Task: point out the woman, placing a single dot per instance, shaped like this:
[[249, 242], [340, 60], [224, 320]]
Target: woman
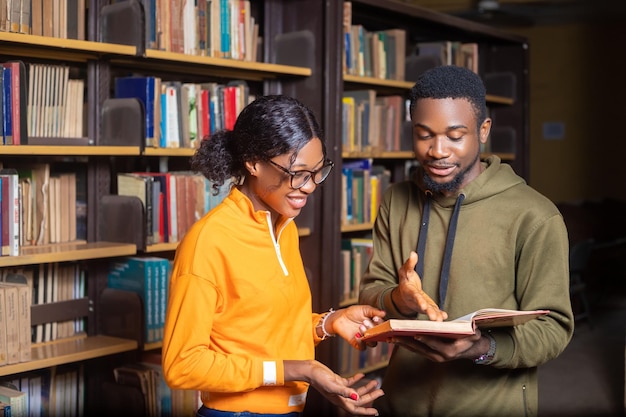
[[239, 324]]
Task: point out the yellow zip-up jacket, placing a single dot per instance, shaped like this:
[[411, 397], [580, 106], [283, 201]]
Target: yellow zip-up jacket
[[239, 304]]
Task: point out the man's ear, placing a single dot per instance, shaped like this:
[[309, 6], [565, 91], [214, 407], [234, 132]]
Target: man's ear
[[484, 130]]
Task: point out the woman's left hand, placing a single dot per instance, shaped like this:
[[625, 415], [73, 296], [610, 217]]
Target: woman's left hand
[[351, 323]]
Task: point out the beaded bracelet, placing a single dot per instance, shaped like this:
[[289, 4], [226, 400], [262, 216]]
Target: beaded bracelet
[[322, 324]]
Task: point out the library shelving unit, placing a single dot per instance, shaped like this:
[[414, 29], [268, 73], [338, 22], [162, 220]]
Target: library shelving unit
[[498, 53], [98, 63]]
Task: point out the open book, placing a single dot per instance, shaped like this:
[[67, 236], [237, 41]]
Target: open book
[[463, 326]]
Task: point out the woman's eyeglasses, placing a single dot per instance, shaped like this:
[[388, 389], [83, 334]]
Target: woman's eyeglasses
[[301, 177]]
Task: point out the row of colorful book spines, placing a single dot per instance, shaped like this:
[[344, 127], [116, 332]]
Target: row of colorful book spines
[[361, 198], [224, 29], [149, 279], [358, 50]]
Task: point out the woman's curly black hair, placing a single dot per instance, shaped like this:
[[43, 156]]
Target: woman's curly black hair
[[271, 125]]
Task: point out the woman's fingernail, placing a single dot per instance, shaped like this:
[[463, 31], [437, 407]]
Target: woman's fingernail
[[358, 335], [354, 396]]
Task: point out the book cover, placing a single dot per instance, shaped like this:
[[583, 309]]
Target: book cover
[[4, 215], [7, 114], [161, 267], [460, 327], [14, 210], [138, 274], [365, 98], [23, 315], [12, 322], [18, 103], [17, 399], [4, 358], [164, 201]]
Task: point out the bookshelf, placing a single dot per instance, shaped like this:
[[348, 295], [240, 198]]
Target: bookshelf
[[98, 63], [498, 52]]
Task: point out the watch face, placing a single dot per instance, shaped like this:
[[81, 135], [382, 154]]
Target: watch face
[[486, 358]]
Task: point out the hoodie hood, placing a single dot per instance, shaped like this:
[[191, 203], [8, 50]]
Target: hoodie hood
[[500, 178]]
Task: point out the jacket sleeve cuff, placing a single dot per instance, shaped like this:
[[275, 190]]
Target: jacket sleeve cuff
[[316, 318], [504, 348], [273, 372]]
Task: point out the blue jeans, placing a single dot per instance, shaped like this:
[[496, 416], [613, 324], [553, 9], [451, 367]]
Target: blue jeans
[[209, 412]]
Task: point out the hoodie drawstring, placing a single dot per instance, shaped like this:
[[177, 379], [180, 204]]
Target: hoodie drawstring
[[447, 254]]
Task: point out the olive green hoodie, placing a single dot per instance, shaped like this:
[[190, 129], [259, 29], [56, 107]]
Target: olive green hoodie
[[509, 249]]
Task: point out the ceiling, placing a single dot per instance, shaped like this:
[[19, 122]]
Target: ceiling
[[529, 12]]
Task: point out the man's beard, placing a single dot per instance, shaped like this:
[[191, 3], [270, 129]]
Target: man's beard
[[450, 186]]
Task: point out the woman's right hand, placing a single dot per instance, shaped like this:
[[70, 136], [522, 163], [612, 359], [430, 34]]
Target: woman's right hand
[[336, 389]]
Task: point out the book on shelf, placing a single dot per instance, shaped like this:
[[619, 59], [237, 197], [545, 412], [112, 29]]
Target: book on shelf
[[7, 116], [15, 101], [144, 276], [12, 321], [10, 212], [153, 360], [4, 352], [171, 115], [356, 254], [463, 326], [142, 377], [16, 399], [38, 174], [148, 90], [396, 53], [362, 124], [24, 301]]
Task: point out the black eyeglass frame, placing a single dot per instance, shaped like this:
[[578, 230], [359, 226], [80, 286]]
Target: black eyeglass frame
[[312, 174]]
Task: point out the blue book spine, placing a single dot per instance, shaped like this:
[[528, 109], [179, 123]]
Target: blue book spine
[[225, 28], [365, 164], [347, 172], [348, 53], [8, 106], [163, 140], [164, 280], [212, 117], [134, 275], [142, 88]]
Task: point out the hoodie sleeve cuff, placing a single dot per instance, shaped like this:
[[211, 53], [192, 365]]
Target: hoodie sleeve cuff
[[386, 303]]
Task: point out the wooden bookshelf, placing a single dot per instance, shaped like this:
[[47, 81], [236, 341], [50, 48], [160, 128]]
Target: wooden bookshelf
[[358, 227], [65, 252], [69, 150], [219, 67], [33, 46], [70, 350]]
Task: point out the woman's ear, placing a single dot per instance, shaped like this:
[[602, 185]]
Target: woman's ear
[[251, 167]]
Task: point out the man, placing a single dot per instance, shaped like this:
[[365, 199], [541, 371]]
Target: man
[[483, 238]]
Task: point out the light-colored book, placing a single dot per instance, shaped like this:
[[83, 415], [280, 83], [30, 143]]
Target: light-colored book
[[12, 322], [17, 399], [460, 327], [4, 354]]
